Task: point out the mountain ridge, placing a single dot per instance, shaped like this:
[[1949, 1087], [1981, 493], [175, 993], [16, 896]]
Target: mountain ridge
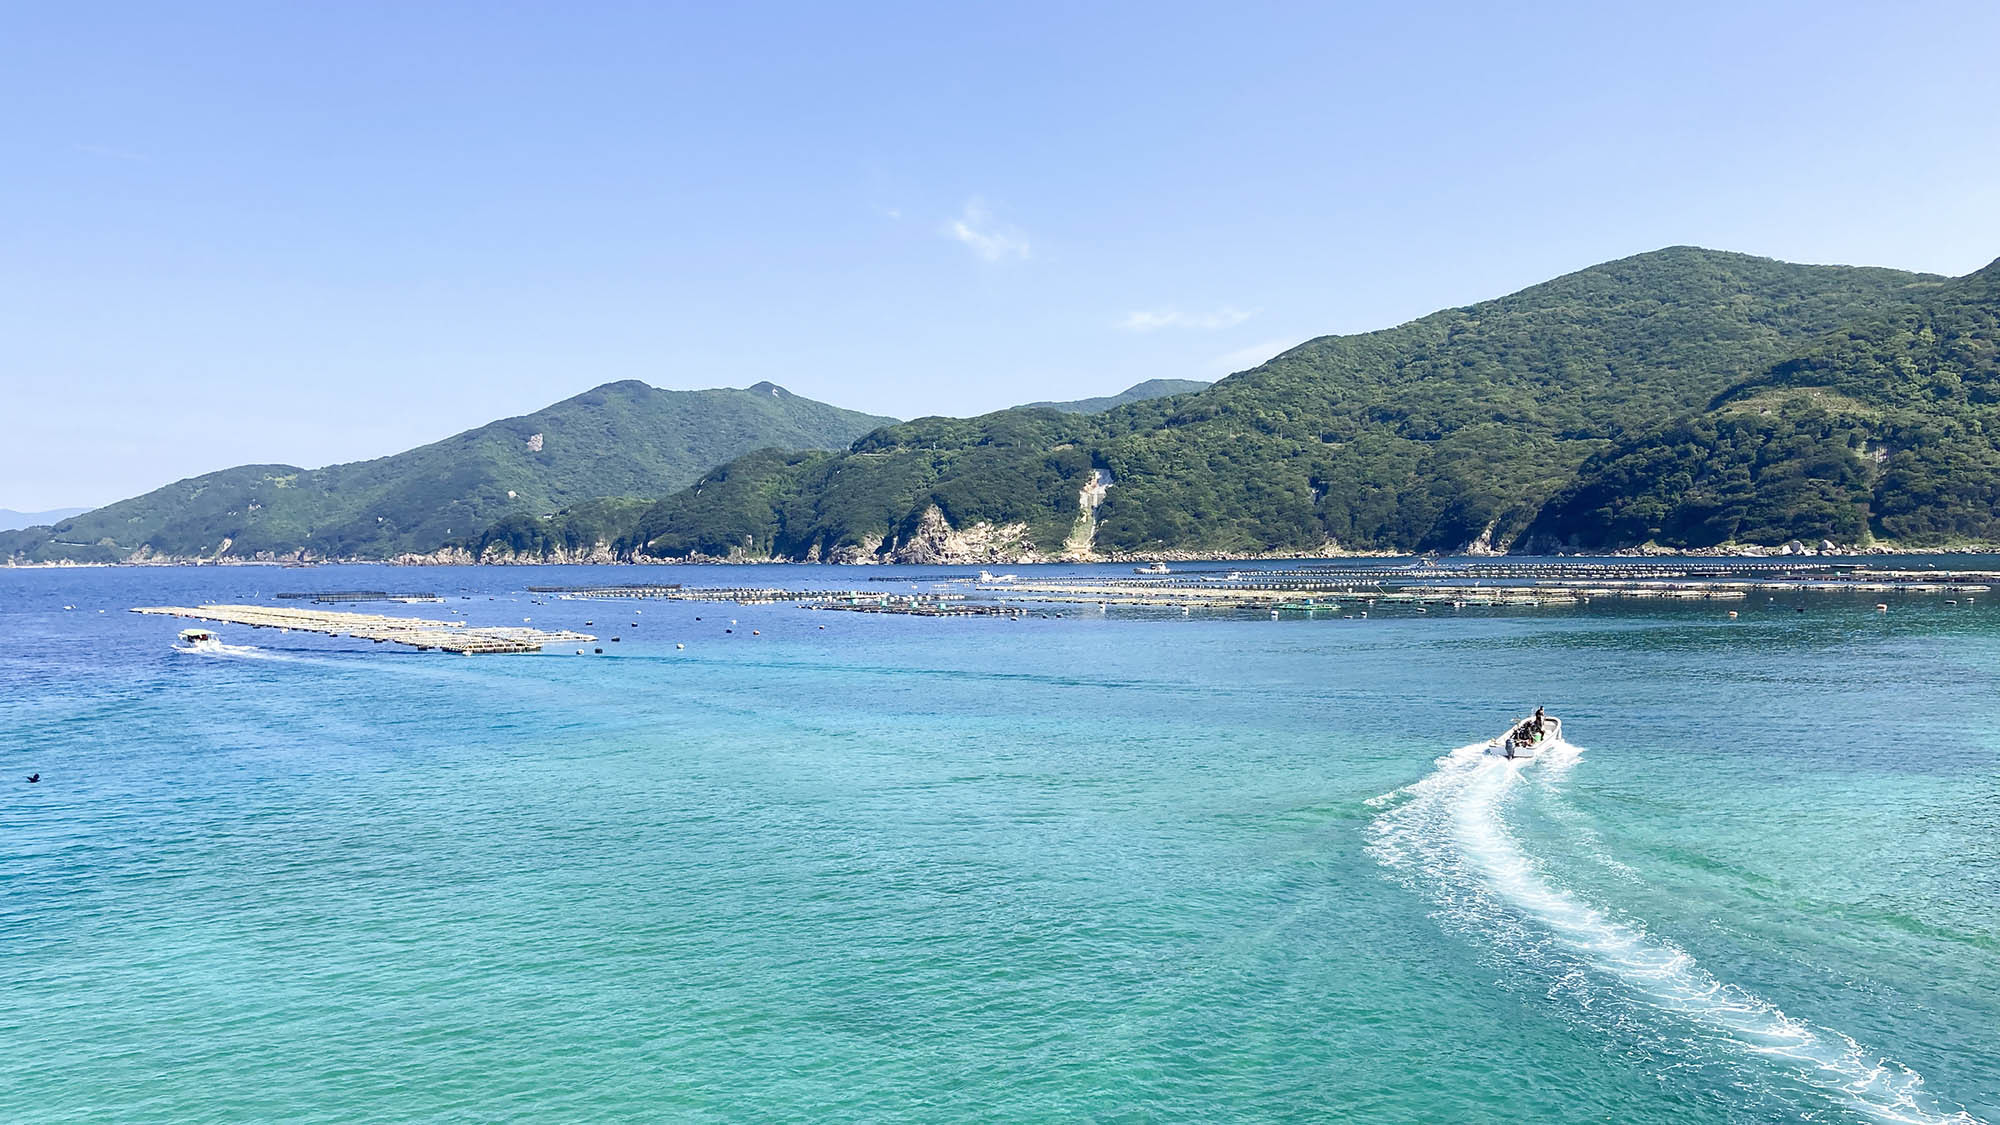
[[1834, 401], [11, 520], [620, 438], [1137, 392], [1447, 432]]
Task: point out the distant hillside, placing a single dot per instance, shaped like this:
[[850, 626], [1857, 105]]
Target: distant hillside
[[1450, 432], [1886, 429], [1138, 392], [620, 439], [11, 520]]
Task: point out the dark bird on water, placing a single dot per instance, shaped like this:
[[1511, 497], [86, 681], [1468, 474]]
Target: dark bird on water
[[34, 777]]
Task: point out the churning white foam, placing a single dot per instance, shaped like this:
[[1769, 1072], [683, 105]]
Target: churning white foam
[[251, 651], [1445, 836]]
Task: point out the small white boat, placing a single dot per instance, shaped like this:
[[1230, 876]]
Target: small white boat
[[198, 640], [1527, 738], [1155, 568]]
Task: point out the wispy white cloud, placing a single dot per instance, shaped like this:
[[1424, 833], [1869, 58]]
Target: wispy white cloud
[[1243, 359], [985, 236], [1152, 320]]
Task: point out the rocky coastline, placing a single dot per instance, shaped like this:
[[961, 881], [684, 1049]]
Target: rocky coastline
[[978, 547]]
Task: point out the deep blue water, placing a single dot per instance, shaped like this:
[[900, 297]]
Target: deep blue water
[[1120, 866]]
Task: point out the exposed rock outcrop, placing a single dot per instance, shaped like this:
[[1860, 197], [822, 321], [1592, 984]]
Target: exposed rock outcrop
[[935, 541]]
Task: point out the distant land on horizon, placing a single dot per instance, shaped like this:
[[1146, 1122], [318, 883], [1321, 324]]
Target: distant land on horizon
[[1681, 399], [11, 520], [1138, 392]]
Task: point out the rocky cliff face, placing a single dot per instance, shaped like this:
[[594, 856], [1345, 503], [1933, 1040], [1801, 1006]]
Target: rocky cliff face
[[936, 541]]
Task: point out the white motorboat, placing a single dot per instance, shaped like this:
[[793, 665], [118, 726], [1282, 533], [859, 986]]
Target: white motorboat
[[198, 640], [1155, 568], [1528, 737]]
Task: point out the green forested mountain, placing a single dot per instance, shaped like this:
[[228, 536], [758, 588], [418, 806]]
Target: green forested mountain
[[1451, 430], [621, 439], [1886, 429], [1137, 392], [1684, 397]]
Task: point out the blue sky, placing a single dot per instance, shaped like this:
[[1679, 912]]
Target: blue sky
[[313, 233]]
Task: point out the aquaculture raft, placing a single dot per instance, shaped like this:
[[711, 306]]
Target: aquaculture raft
[[331, 597], [446, 636]]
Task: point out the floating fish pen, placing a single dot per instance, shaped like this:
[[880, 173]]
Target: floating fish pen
[[636, 590], [335, 597], [752, 595], [921, 607], [1499, 583], [758, 595], [446, 636], [1127, 592]]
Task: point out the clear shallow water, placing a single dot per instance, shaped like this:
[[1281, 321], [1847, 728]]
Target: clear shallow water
[[1113, 867]]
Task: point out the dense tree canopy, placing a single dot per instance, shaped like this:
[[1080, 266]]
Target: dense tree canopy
[[620, 439], [1455, 428]]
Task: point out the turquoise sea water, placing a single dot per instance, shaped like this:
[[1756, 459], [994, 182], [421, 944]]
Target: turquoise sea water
[[1120, 866]]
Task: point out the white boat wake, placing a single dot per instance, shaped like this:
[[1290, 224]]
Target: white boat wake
[[251, 651], [1444, 836]]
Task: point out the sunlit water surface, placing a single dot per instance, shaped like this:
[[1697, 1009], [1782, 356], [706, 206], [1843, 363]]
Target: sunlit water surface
[[1120, 865]]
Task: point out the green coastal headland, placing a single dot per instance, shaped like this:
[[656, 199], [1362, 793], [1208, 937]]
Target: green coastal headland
[[1682, 400]]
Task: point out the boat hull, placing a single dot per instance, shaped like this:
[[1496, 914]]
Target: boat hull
[[1510, 747]]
